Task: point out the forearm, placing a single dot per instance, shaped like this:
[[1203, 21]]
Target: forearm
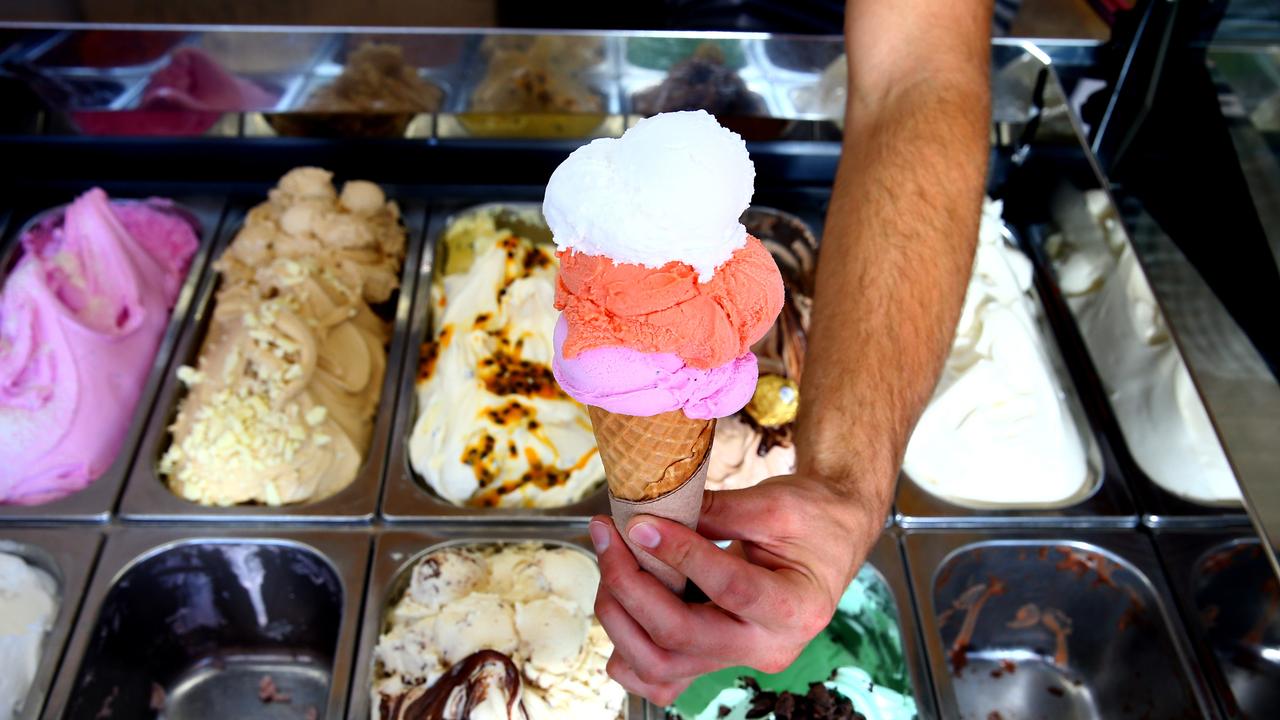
[[897, 252]]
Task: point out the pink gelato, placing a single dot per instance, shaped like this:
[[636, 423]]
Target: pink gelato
[[81, 316], [630, 382]]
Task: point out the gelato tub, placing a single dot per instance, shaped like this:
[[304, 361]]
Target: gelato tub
[[239, 625], [331, 443], [869, 655], [1166, 435], [441, 614], [481, 341], [1231, 602], [43, 574], [1005, 438], [138, 237], [1037, 625]]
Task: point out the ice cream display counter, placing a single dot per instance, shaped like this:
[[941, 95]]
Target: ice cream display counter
[[322, 499]]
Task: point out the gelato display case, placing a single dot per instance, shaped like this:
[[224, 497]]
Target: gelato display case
[[326, 501]]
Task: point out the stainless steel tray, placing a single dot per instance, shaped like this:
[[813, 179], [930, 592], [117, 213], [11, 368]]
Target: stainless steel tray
[[68, 555], [1107, 504], [407, 496], [228, 606], [1127, 655], [147, 497], [1227, 592], [396, 551], [1160, 507], [96, 502], [886, 560]]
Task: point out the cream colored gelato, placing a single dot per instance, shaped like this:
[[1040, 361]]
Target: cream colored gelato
[[1156, 403], [281, 402], [524, 443], [28, 605], [497, 632], [998, 431]]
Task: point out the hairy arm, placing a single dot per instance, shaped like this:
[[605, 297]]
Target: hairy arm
[[899, 238], [896, 258]]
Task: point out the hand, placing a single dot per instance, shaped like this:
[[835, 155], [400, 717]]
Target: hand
[[798, 546]]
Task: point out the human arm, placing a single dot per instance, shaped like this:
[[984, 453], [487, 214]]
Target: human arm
[[896, 257]]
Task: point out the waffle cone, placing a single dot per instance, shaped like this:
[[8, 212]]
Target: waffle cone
[[647, 457]]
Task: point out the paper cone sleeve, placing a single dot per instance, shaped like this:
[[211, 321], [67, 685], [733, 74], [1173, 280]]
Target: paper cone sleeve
[[655, 466]]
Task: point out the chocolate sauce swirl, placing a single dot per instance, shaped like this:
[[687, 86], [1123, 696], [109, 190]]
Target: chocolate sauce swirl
[[468, 676]]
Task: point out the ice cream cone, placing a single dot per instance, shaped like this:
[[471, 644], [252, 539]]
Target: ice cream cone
[[655, 466]]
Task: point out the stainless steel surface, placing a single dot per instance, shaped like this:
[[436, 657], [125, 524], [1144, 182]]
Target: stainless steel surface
[[1159, 506], [68, 555], [96, 502], [192, 621], [394, 555], [1051, 624], [147, 497], [1231, 605], [407, 496], [1104, 502]]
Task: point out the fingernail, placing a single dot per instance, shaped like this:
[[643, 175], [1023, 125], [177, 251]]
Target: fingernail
[[599, 536], [645, 535]]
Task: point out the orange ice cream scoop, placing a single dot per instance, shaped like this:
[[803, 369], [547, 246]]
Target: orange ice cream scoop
[[666, 310]]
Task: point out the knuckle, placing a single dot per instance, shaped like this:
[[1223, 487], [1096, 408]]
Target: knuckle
[[673, 636], [738, 593], [649, 675]]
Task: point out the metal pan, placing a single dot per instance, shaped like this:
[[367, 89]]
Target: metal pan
[[68, 555], [1160, 507], [1050, 623], [147, 497], [1229, 599], [96, 502], [197, 625], [407, 496], [394, 555], [1104, 502]]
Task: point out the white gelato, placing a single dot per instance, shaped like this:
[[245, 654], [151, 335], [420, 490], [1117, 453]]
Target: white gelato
[[532, 603], [494, 429], [670, 189], [28, 605], [998, 431], [1160, 413]]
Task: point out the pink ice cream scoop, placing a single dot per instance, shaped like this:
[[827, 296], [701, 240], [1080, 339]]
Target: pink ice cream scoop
[[81, 316], [630, 382]]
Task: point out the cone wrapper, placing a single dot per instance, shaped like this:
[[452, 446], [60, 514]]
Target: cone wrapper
[[682, 505]]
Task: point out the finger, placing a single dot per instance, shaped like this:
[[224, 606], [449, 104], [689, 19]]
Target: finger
[[652, 664], [731, 582], [668, 621], [660, 694], [735, 514]]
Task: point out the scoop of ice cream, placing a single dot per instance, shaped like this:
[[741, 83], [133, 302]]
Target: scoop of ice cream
[[706, 324], [702, 82], [736, 461], [442, 577], [376, 78], [281, 403], [622, 380], [528, 444], [81, 316], [553, 632], [474, 622], [999, 408], [670, 189], [28, 604]]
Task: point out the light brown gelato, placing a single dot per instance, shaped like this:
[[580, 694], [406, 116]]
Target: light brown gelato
[[282, 398]]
